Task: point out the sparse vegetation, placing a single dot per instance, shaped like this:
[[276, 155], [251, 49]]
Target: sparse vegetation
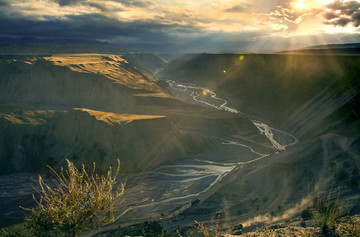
[[326, 213], [208, 231], [350, 227], [147, 229], [76, 201]]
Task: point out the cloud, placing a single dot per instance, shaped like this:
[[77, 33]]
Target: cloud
[[163, 26], [89, 26], [68, 2], [239, 8], [341, 13], [136, 3], [287, 20], [107, 5], [3, 3], [291, 15], [102, 3], [287, 15]]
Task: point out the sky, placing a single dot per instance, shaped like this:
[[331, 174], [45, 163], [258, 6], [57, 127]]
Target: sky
[[186, 26]]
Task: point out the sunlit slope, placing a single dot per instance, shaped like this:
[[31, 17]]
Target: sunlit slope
[[291, 91], [32, 138], [104, 82]]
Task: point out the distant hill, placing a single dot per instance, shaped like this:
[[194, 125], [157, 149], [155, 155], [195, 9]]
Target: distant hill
[[314, 97], [125, 113], [288, 90], [329, 49], [34, 46]]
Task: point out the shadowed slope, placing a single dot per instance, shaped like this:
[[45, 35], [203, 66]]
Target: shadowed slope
[[286, 90]]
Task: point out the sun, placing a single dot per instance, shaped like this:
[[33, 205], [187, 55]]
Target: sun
[[300, 4]]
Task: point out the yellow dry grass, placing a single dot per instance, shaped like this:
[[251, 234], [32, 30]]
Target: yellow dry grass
[[114, 67], [28, 117], [113, 118], [155, 94]]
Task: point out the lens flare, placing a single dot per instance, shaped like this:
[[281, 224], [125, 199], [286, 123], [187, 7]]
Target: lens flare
[[204, 92]]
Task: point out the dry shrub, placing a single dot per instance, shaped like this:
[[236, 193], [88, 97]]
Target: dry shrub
[[76, 201], [326, 213]]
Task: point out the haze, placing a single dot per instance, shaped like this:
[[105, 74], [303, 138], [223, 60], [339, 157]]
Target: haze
[[246, 111], [186, 26]]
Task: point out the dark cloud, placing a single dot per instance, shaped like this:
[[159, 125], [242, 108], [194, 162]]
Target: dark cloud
[[170, 31], [92, 27], [342, 13], [239, 8], [151, 35], [346, 8], [68, 2], [356, 19], [136, 3], [330, 15], [102, 4], [340, 21]]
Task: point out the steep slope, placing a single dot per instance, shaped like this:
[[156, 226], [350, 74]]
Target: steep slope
[[105, 82], [314, 97], [148, 61], [287, 90], [100, 107], [49, 85], [31, 138]]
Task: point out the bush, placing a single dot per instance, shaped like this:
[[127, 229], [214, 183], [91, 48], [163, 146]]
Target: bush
[[210, 231], [326, 213], [76, 201]]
